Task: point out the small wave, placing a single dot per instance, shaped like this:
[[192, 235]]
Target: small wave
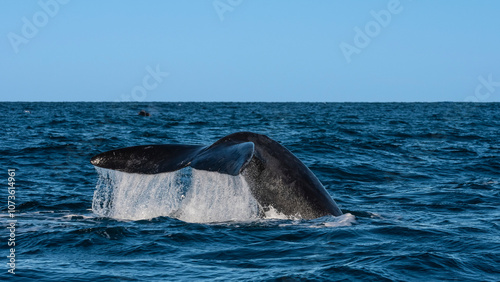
[[112, 233], [341, 221], [344, 220], [37, 206], [395, 122], [28, 205], [78, 217], [198, 123]]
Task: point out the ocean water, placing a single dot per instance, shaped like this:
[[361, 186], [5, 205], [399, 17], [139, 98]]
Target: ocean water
[[418, 184]]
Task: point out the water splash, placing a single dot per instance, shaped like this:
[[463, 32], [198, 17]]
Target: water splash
[[215, 197], [190, 195], [272, 213]]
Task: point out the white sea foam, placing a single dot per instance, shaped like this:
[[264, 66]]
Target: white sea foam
[[190, 195], [346, 219]]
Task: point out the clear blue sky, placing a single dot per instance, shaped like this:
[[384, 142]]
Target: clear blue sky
[[249, 50]]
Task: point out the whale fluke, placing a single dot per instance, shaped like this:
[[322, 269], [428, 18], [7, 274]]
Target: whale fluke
[[277, 178]]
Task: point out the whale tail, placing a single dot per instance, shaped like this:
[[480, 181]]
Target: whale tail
[[276, 177]]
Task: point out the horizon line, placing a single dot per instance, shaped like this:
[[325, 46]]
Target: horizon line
[[471, 102]]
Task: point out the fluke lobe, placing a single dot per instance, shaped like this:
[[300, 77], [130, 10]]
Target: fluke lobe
[[276, 177]]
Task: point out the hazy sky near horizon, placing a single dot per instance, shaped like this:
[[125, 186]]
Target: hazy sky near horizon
[[250, 50]]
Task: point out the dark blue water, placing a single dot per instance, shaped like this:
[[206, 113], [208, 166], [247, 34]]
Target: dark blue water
[[418, 184]]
